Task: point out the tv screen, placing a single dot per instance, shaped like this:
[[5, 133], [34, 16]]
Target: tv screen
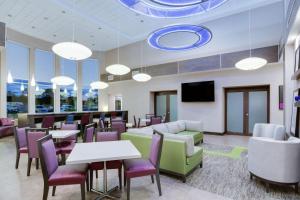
[[198, 91]]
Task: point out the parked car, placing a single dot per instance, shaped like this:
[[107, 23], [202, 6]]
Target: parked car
[[41, 109], [12, 108], [66, 108]]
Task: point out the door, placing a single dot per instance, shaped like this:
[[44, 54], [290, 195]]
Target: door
[[166, 105], [245, 106]]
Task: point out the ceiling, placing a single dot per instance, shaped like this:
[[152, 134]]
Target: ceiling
[[99, 22]]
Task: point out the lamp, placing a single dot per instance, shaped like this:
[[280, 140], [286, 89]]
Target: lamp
[[72, 50], [62, 81], [140, 76], [98, 85], [9, 78], [32, 81]]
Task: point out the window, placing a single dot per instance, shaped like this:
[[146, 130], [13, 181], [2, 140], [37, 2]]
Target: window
[[44, 71], [68, 94], [118, 103], [17, 63], [90, 73]]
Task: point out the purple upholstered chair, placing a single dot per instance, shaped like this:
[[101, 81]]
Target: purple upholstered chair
[[68, 143], [48, 122], [21, 143], [73, 126], [88, 134], [101, 136], [55, 175], [155, 120], [148, 116], [32, 136], [84, 120], [145, 167], [120, 127]]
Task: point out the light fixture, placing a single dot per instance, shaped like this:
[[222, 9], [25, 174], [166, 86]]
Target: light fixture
[[72, 50], [53, 86], [22, 88], [200, 36], [9, 78], [171, 8], [140, 76], [65, 91], [98, 85], [32, 81], [250, 63], [75, 87], [37, 88], [62, 80]]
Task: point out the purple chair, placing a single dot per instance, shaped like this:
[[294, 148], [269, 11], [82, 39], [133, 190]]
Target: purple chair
[[32, 136], [155, 120], [55, 175], [73, 126], [148, 116], [6, 127], [101, 136], [120, 127], [88, 134], [84, 120], [101, 123], [21, 143], [145, 167], [67, 145], [48, 122]]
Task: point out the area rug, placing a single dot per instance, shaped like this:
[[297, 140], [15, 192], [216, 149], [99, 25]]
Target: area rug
[[225, 173]]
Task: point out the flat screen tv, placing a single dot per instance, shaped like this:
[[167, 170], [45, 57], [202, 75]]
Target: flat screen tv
[[198, 91]]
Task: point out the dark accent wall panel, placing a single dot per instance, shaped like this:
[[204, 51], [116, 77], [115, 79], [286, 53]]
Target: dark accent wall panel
[[228, 60], [163, 69], [199, 64]]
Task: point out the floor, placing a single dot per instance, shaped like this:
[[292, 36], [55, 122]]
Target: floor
[[16, 185]]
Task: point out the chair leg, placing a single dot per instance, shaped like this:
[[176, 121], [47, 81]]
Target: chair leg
[[124, 178], [63, 159], [120, 177], [128, 188], [201, 164], [37, 163], [46, 190], [17, 160], [96, 173], [158, 183], [53, 190], [296, 188], [91, 179], [152, 179], [82, 186], [87, 182], [29, 166]]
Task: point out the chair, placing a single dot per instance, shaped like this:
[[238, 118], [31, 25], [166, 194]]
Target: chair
[[55, 175], [69, 119], [48, 122], [163, 119], [73, 126], [32, 135], [148, 116], [68, 143], [21, 143], [101, 136], [85, 119], [120, 127], [136, 125], [145, 167], [155, 120], [88, 134], [269, 130], [101, 123]]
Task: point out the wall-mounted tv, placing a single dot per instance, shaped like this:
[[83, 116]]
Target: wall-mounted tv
[[198, 91]]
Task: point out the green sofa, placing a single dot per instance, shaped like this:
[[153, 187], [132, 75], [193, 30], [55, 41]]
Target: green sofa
[[174, 159]]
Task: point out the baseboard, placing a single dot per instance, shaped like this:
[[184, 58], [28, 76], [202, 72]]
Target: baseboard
[[213, 133]]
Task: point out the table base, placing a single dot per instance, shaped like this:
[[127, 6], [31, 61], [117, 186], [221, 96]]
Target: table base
[[106, 194]]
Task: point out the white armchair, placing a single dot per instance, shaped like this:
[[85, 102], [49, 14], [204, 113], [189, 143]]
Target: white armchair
[[271, 159]]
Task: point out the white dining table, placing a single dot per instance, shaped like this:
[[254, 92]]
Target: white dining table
[[103, 152], [62, 134]]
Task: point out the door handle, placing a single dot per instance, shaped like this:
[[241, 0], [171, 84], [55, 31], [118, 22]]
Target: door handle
[[247, 114]]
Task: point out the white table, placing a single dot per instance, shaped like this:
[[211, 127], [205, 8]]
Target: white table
[[62, 134], [103, 152]]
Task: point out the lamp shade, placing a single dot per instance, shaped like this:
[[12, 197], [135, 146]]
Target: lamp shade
[[62, 81], [72, 50], [98, 85], [141, 77], [251, 63], [118, 69]]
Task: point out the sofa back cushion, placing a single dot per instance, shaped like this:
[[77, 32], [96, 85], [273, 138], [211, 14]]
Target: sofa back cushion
[[175, 127], [194, 126], [144, 131], [162, 128], [277, 132], [6, 122]]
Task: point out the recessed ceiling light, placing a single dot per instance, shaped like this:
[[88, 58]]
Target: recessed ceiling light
[[54, 35], [93, 44], [9, 15], [142, 21], [63, 12], [33, 27], [46, 18], [91, 36], [99, 28]]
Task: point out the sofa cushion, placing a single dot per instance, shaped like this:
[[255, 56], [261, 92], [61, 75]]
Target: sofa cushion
[[188, 139], [195, 134], [173, 127], [194, 126], [160, 128], [144, 131]]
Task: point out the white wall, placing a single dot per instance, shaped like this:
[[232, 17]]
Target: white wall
[[136, 96]]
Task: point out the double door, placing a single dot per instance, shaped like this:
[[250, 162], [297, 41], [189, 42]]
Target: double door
[[245, 106], [166, 105]]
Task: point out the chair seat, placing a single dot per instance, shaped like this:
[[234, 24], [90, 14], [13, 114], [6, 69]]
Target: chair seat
[[117, 164], [23, 150], [138, 167], [68, 174], [66, 149]]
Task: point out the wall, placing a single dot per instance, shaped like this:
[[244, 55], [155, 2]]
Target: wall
[[136, 96]]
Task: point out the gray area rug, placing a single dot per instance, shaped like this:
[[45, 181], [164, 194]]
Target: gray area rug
[[230, 178]]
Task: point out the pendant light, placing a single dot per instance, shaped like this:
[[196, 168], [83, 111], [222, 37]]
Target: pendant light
[[37, 88], [62, 80], [53, 86], [118, 69], [98, 85], [9, 78], [250, 63], [22, 88], [75, 87], [65, 91], [32, 81], [141, 77]]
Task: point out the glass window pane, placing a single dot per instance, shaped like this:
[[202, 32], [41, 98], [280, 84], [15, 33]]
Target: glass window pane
[[17, 63], [161, 105], [173, 107], [44, 71], [235, 112]]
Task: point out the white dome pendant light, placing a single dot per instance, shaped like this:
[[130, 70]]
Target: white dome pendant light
[[140, 76], [62, 80], [118, 69], [250, 63], [9, 78], [32, 83], [98, 85]]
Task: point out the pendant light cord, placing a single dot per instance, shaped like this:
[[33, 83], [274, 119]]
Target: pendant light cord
[[141, 57], [249, 32]]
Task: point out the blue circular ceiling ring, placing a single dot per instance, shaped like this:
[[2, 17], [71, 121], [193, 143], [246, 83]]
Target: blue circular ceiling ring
[[171, 9], [203, 33]]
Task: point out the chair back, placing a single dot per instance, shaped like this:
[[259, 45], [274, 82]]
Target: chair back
[[85, 119], [20, 137], [101, 123], [47, 152], [73, 126], [148, 116], [134, 122], [88, 134], [155, 120], [69, 119], [107, 134], [119, 126], [269, 130], [156, 148], [48, 122], [32, 136]]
